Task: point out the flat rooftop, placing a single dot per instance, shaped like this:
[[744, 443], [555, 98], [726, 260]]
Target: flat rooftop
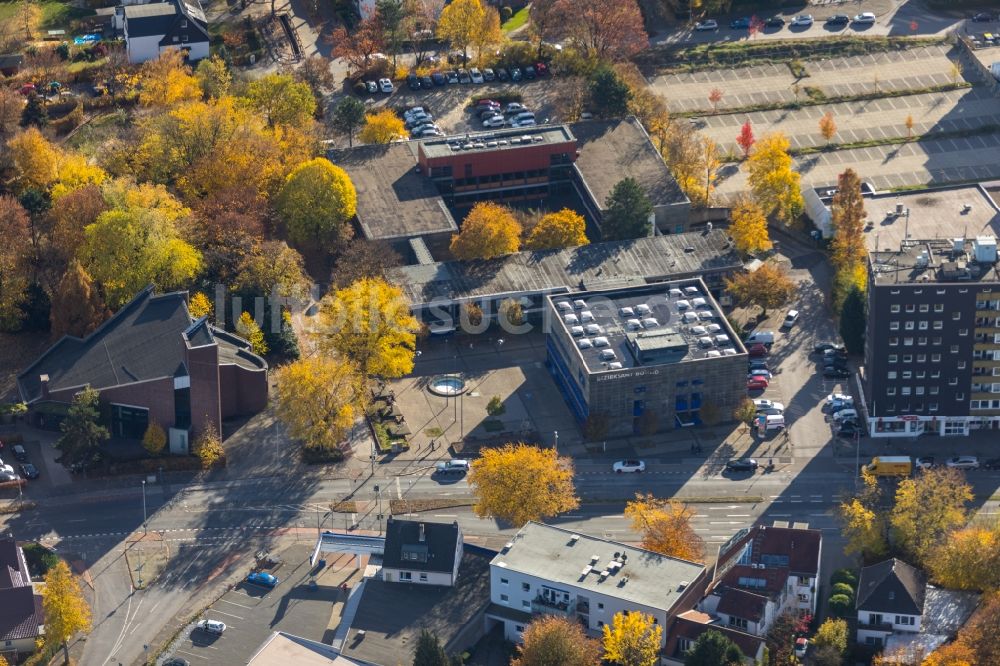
[[495, 140], [610, 150], [562, 557], [670, 322], [938, 261], [394, 200], [588, 267], [946, 212]]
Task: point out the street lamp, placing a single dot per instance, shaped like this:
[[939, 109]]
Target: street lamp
[[556, 433], [378, 492], [144, 528]]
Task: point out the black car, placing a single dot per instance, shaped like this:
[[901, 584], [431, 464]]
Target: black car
[[742, 465], [833, 372], [992, 463], [838, 19], [515, 74], [740, 23], [452, 76], [529, 73], [821, 347], [758, 364], [774, 22], [426, 82], [28, 471], [177, 661], [983, 17], [835, 363], [502, 74], [439, 79], [412, 82]]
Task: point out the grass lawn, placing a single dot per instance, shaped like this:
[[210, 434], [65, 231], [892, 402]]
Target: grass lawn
[[54, 14], [516, 21]]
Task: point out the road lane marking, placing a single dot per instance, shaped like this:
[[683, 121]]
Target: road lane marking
[[737, 515]]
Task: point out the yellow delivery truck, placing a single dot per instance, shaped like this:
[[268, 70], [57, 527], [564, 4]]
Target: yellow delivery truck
[[891, 466]]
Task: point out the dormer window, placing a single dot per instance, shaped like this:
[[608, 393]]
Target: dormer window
[[184, 23]]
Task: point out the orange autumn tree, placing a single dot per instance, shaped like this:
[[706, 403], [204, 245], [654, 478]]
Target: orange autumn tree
[[665, 526]]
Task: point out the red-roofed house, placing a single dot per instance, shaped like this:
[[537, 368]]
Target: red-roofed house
[[690, 625]]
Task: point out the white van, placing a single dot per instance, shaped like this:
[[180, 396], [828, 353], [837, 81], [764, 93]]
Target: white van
[[775, 422], [762, 337]]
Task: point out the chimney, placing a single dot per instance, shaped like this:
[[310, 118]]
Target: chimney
[[44, 379], [422, 535]]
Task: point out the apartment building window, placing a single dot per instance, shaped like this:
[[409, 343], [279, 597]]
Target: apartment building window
[[908, 620], [907, 374], [891, 408], [894, 308], [891, 390], [933, 407], [504, 598], [921, 358], [803, 598], [953, 381], [504, 581], [423, 578], [921, 374], [907, 358], [906, 390], [959, 397], [893, 325], [600, 606], [923, 326], [922, 341], [935, 358], [907, 342], [954, 349], [909, 325], [963, 331], [924, 307], [525, 603], [910, 307], [935, 390], [737, 622], [893, 358], [956, 316], [919, 390], [894, 342], [939, 307], [936, 341], [961, 365], [525, 587], [891, 375], [938, 325]]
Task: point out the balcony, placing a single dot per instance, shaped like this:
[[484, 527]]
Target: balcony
[[542, 605], [875, 626]]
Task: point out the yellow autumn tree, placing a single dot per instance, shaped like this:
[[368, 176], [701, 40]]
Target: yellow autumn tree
[[74, 171], [863, 522], [282, 100], [827, 126], [36, 160], [369, 324], [665, 526], [773, 182], [199, 305], [167, 81], [154, 439], [317, 203], [968, 559], [632, 640], [247, 327], [748, 227], [489, 230], [66, 609], [551, 640], [518, 483], [318, 399], [208, 447], [489, 33], [382, 127], [928, 507], [459, 24], [564, 228]]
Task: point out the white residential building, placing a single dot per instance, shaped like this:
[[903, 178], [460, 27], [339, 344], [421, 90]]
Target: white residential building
[[550, 570], [150, 29], [421, 552]]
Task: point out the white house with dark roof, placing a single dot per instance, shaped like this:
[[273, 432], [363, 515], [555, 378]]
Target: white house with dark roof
[[547, 570], [421, 552], [150, 29]]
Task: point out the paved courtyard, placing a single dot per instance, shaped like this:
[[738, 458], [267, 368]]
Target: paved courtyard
[[771, 84]]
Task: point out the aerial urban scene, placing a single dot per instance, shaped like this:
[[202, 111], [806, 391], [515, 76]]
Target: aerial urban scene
[[500, 332]]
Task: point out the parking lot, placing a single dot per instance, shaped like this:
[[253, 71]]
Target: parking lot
[[251, 612], [836, 77]]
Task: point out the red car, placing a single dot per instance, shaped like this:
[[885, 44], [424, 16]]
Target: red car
[[27, 88], [757, 350], [541, 68], [487, 102], [756, 382]]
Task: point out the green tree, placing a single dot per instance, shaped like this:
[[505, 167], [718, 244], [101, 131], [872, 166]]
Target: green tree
[[282, 100], [609, 94], [551, 640], [213, 76], [392, 16], [16, 251], [317, 203], [853, 321], [81, 433], [35, 113], [66, 609], [712, 648], [154, 439], [495, 406], [348, 116], [428, 651], [627, 212]]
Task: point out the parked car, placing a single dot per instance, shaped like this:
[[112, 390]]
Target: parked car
[[489, 112], [502, 74], [529, 72], [20, 453], [774, 22], [630, 466], [262, 578], [527, 122], [371, 87], [850, 429], [835, 362], [176, 661], [992, 463], [764, 403], [833, 372], [983, 17], [802, 20], [838, 19], [963, 462], [454, 466], [541, 69], [821, 347], [414, 111], [864, 18], [847, 413], [835, 353], [439, 79], [464, 76], [489, 75], [385, 85], [842, 397], [515, 74], [412, 82], [757, 350], [494, 122], [740, 23], [28, 471], [515, 108], [426, 82], [211, 626], [452, 76], [758, 364], [707, 24], [426, 132], [790, 319], [925, 462], [476, 75], [801, 646], [760, 372], [757, 383], [840, 405], [742, 465]]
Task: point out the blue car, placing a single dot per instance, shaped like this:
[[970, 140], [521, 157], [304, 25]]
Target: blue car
[[740, 23], [261, 578]]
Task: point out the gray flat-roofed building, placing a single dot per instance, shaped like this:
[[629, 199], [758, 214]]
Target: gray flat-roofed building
[[434, 290], [395, 200], [610, 150], [546, 570], [644, 359]]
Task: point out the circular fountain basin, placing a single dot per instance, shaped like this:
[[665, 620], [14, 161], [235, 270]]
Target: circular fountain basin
[[447, 385]]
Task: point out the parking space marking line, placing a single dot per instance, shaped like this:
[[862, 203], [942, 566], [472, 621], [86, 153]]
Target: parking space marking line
[[216, 610], [193, 654], [454, 515], [236, 604]]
